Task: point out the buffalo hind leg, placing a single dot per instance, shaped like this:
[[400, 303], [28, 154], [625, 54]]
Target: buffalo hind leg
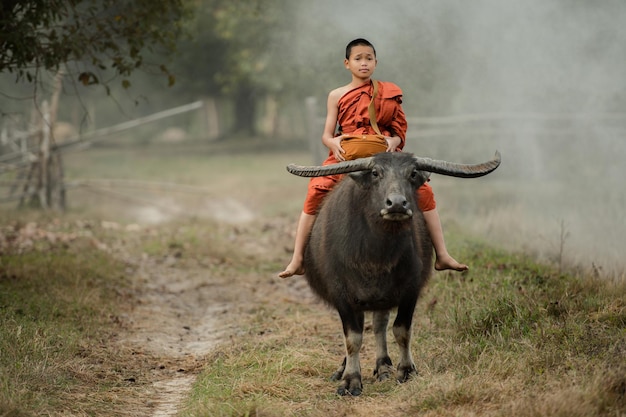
[[402, 333], [353, 331], [384, 366]]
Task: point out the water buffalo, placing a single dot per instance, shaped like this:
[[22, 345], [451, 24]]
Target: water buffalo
[[369, 251]]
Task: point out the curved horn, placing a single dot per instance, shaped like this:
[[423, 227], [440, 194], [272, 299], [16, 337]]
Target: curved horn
[[361, 164], [424, 164], [458, 170]]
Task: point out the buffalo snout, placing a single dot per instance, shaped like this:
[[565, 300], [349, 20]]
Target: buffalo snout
[[397, 208]]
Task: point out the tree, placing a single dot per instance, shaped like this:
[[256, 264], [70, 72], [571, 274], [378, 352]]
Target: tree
[[88, 37], [229, 53], [89, 40]]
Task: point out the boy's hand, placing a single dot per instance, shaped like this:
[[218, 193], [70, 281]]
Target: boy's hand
[[334, 145], [392, 143]]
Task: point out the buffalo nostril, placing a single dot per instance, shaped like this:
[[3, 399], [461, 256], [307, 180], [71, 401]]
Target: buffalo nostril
[[396, 201]]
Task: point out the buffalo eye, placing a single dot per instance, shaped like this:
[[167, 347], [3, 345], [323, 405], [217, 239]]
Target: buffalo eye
[[375, 173], [414, 174]]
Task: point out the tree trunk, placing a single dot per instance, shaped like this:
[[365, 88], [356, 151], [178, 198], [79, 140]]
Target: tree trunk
[[245, 111]]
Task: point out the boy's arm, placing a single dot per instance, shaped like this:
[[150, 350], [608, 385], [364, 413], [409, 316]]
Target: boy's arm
[[391, 108], [398, 128], [328, 139]]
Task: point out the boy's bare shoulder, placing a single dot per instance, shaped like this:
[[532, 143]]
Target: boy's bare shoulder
[[338, 92]]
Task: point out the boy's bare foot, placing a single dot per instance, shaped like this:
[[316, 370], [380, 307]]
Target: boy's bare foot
[[291, 270], [448, 262]]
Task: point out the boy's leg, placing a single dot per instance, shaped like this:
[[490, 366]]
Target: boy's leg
[[443, 259], [295, 267]]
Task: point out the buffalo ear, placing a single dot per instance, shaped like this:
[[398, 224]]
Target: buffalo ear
[[361, 177]]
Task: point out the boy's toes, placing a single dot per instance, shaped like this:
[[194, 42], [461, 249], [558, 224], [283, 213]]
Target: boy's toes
[[285, 274], [450, 264], [291, 272]]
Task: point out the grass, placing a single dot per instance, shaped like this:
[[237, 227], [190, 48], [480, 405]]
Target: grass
[[511, 337], [57, 307]]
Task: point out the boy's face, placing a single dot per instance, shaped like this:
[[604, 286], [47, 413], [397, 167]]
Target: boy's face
[[362, 61]]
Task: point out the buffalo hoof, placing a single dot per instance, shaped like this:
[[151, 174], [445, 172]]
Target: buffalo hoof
[[343, 391], [383, 372], [350, 386], [384, 368], [405, 372]]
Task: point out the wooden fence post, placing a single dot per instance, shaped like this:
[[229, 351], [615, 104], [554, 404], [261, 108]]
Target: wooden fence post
[[211, 118], [43, 189]]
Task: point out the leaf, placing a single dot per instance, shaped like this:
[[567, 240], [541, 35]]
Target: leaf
[[110, 35], [125, 84]]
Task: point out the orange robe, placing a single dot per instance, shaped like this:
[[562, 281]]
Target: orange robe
[[353, 118]]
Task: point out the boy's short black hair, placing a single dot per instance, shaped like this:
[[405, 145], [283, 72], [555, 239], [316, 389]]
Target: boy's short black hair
[[357, 42]]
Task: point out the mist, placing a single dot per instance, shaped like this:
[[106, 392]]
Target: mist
[[543, 81]]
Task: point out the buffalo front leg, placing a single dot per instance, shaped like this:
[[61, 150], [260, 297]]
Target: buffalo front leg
[[353, 332], [384, 366], [402, 333]]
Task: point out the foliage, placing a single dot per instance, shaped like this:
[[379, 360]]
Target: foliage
[[229, 46], [229, 53], [89, 36]]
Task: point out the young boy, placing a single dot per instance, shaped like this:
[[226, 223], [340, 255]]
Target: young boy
[[348, 106]]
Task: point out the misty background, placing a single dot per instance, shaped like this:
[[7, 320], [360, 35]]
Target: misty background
[[551, 74], [542, 81]]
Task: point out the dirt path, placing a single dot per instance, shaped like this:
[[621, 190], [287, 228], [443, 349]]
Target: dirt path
[[177, 318], [184, 309]]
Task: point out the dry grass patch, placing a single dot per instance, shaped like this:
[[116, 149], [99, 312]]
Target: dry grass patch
[[54, 309], [64, 301], [511, 337]]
